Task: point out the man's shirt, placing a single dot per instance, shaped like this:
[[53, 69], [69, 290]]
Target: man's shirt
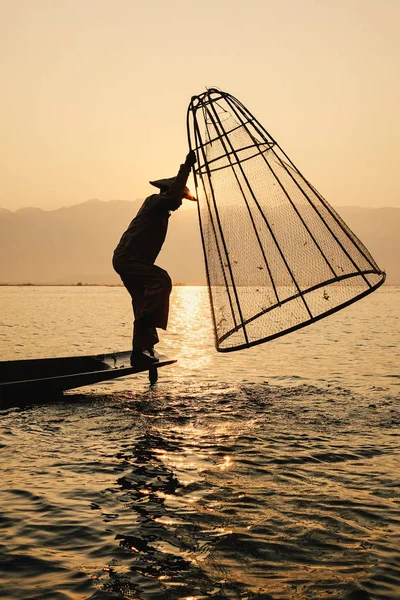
[[146, 233]]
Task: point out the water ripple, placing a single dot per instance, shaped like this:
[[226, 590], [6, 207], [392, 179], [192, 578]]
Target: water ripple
[[208, 486]]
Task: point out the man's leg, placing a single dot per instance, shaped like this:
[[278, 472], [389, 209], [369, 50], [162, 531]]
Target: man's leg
[[150, 288], [155, 305], [143, 336]]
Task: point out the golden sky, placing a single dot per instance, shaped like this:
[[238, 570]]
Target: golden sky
[[94, 92]]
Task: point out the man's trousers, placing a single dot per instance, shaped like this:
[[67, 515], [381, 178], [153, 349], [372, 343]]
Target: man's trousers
[[149, 287]]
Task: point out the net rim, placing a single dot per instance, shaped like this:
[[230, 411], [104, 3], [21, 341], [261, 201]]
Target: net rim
[[304, 323]]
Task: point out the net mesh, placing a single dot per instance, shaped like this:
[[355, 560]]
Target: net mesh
[[278, 257]]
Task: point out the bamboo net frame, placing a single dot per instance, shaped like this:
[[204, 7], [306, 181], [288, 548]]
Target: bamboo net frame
[[278, 257]]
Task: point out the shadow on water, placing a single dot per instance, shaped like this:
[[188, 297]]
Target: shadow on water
[[162, 540]]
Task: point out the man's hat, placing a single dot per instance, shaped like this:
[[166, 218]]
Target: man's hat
[[164, 184]]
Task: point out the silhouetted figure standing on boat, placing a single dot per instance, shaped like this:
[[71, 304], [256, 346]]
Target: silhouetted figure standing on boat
[[149, 285]]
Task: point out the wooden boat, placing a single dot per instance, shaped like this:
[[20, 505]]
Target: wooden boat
[[23, 381]]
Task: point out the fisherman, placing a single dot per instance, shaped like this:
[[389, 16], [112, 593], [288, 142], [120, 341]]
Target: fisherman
[[134, 257]]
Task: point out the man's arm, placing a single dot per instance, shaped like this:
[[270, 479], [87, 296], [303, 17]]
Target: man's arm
[[173, 197]]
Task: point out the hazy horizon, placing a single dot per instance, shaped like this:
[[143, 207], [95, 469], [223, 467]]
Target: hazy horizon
[[36, 244], [187, 206]]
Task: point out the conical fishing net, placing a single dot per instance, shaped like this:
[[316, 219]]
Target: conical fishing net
[[278, 257]]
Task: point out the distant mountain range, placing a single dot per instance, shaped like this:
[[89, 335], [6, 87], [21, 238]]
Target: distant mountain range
[[75, 244]]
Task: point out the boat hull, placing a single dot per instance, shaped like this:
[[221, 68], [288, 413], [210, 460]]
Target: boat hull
[[24, 381]]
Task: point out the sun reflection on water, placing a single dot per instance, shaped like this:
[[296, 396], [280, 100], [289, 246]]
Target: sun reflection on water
[[226, 464], [189, 329]]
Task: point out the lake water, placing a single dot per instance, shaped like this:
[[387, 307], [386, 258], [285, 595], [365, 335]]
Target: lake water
[[262, 474]]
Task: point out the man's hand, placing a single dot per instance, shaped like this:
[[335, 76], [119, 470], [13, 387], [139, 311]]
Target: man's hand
[[191, 158]]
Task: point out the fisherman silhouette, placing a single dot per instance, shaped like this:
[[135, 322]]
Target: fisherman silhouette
[[148, 285]]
